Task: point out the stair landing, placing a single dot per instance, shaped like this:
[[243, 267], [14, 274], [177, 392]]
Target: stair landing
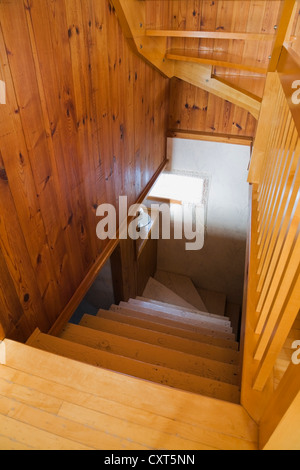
[[56, 403]]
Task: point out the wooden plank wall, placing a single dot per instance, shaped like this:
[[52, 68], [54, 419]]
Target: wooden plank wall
[[77, 131], [251, 16], [193, 109]]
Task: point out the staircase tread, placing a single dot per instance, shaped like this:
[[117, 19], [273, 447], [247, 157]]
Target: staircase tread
[[157, 291], [183, 286], [170, 341], [192, 417], [171, 322], [132, 367], [173, 328], [160, 318], [180, 317], [151, 354], [176, 307]]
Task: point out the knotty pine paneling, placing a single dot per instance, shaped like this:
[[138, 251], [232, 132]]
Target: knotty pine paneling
[[252, 16], [193, 109], [85, 122]]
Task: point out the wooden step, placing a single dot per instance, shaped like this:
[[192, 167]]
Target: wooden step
[[172, 322], [179, 314], [183, 286], [214, 301], [100, 396], [157, 291], [151, 354], [174, 329], [181, 317], [163, 375], [175, 307], [161, 339]]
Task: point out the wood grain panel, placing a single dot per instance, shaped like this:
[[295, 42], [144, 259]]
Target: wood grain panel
[[193, 109], [77, 131], [229, 16]]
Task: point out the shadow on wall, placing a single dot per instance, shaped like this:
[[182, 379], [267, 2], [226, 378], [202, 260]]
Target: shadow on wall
[[100, 295], [206, 267]]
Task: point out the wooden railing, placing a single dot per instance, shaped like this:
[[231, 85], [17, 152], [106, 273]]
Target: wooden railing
[[273, 297]]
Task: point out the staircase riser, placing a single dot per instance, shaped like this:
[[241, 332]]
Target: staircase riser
[[182, 319], [151, 354], [166, 321], [171, 329], [161, 339], [157, 374], [178, 311]]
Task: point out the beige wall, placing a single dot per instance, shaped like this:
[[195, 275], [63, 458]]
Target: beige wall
[[219, 265]]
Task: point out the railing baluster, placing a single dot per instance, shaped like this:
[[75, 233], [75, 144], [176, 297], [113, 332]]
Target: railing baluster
[[274, 271], [276, 262], [283, 153], [278, 208], [283, 328], [274, 152], [274, 302]]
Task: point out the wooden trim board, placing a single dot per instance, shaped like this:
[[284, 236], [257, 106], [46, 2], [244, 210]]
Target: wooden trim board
[[210, 137]]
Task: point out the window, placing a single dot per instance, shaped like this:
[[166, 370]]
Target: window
[[180, 187]]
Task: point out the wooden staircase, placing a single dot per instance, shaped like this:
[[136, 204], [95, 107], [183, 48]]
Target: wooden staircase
[[171, 344], [146, 374]]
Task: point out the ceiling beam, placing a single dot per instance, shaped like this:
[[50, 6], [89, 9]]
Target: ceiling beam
[[194, 74]]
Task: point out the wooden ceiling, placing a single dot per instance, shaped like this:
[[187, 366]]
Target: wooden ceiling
[[235, 37]]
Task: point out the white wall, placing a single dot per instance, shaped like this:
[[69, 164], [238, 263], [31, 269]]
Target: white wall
[[219, 265]]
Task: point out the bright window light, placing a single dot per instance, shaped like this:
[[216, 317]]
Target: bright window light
[[180, 187]]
